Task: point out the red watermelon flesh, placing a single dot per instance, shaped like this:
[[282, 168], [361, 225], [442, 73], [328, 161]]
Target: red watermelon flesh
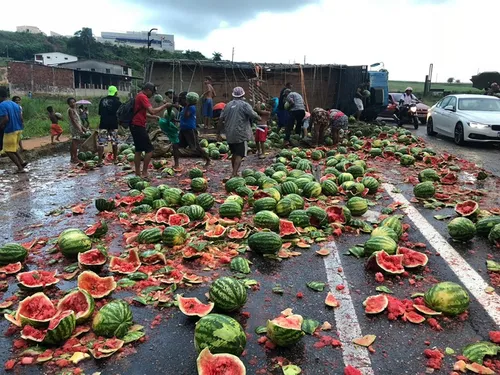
[[12, 268], [376, 304], [335, 214], [91, 231], [163, 214], [76, 302], [37, 307], [237, 234], [217, 232], [467, 208], [128, 201], [287, 228], [381, 261], [449, 179], [290, 322], [37, 279], [92, 257], [442, 197], [178, 219], [33, 334], [414, 317], [209, 364], [103, 349], [412, 258], [126, 265], [193, 307]]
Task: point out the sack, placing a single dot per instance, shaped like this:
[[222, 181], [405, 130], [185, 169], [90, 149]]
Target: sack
[[126, 113], [90, 143]]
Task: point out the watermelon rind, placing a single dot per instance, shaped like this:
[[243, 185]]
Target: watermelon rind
[[113, 319], [283, 334], [447, 297], [221, 334], [228, 294], [223, 363]]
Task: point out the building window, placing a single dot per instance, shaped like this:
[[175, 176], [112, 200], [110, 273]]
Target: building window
[[125, 71], [108, 71], [39, 57]]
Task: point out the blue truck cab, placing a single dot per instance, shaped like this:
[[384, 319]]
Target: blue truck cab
[[379, 98]]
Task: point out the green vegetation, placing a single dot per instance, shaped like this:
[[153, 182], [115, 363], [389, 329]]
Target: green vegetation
[[22, 46], [418, 87]]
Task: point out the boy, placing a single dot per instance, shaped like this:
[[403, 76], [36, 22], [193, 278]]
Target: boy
[[264, 111], [76, 129], [55, 128], [208, 102]]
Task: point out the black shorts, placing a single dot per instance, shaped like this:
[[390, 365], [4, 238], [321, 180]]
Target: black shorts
[[188, 138], [142, 142], [239, 149]]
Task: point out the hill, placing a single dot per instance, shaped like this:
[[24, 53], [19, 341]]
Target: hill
[[22, 46]]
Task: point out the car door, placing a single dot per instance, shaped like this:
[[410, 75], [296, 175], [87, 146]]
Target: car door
[[450, 118], [438, 115]]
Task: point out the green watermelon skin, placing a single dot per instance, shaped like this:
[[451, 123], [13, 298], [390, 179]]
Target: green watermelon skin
[[265, 242], [448, 298], [461, 229], [264, 204], [484, 226], [299, 218], [221, 334], [113, 319], [174, 236], [62, 330], [228, 294], [424, 190], [12, 253], [205, 200], [380, 243], [357, 206], [266, 220], [230, 210], [149, 236], [73, 241]]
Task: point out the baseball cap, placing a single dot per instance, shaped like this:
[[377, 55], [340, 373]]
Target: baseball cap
[[112, 90], [238, 92], [149, 86]]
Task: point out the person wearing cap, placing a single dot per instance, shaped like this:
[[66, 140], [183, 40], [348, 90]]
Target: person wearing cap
[[494, 90], [170, 97], [236, 120], [108, 125], [407, 97], [142, 111]]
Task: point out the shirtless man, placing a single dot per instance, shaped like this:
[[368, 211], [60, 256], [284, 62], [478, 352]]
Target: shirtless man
[[208, 103]]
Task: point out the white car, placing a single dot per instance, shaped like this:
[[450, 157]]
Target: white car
[[466, 118]]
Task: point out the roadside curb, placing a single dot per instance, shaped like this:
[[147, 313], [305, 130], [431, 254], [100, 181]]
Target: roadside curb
[[42, 151]]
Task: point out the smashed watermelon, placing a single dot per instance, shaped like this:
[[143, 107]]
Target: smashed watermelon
[[194, 307], [216, 232], [127, 265], [390, 264], [163, 214], [467, 208], [412, 258], [287, 228], [178, 219], [237, 234], [376, 304]]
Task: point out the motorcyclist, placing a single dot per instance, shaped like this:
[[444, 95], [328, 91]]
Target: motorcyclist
[[494, 90], [407, 99]]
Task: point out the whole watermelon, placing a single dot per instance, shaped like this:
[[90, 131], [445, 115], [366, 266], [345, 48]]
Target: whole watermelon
[[73, 241], [219, 333], [113, 319]]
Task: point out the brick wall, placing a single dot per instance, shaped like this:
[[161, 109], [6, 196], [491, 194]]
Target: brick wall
[[24, 77]]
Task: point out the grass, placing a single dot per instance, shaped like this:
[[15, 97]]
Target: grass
[[418, 87], [36, 121]]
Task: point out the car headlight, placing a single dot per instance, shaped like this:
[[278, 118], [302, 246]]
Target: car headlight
[[478, 125], [413, 109]]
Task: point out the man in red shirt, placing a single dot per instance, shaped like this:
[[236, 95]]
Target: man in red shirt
[[142, 111]]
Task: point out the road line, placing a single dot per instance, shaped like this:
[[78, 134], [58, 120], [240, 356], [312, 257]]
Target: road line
[[346, 321], [464, 272]]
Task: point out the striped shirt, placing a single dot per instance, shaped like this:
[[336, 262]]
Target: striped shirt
[[296, 101]]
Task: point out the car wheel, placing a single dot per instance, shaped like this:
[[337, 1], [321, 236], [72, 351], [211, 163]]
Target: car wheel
[[459, 134], [430, 128]]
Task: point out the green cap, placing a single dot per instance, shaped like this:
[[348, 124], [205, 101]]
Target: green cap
[[112, 90]]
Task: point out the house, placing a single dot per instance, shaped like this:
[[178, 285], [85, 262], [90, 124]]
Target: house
[[325, 86], [29, 29], [139, 39], [53, 58]]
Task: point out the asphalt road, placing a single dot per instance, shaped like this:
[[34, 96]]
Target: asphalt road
[[26, 200]]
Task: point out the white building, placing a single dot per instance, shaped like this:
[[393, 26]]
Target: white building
[[29, 29], [139, 39], [54, 58]]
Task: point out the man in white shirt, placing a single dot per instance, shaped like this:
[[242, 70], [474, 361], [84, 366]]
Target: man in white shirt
[[407, 97]]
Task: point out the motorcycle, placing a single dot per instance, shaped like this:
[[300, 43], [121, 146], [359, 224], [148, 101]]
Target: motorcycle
[[408, 115]]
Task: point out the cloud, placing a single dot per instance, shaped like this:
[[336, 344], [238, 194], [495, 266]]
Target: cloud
[[195, 19]]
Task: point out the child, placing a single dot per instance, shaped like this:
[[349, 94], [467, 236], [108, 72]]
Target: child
[[76, 129], [167, 126], [55, 128], [305, 124], [264, 111]]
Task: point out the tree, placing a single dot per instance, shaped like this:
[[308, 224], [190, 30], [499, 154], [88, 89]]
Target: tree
[[457, 81], [450, 80], [83, 41], [194, 55], [217, 56]]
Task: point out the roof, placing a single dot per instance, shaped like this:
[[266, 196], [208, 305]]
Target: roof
[[112, 62], [243, 65]]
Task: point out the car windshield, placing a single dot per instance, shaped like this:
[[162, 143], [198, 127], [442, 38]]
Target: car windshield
[[479, 104]]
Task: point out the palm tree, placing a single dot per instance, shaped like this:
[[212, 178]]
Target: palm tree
[[217, 56]]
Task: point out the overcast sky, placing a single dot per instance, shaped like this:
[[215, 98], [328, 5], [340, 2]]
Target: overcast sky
[[458, 36]]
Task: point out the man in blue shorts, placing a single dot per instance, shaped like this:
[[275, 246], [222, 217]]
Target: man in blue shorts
[[208, 102]]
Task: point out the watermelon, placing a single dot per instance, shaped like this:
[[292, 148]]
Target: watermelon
[[424, 190], [73, 241], [375, 244], [163, 214], [412, 258], [338, 214], [385, 232], [113, 319], [174, 236], [237, 234], [148, 236], [230, 210], [448, 298], [159, 203], [357, 206], [390, 264], [125, 265], [209, 364], [192, 98], [37, 280], [264, 204], [11, 269], [196, 212], [289, 187], [80, 302], [344, 177], [312, 190], [297, 200], [317, 216], [265, 242], [96, 286], [205, 200], [285, 206], [228, 294], [461, 229], [173, 197], [428, 175], [36, 310], [61, 327], [216, 232], [356, 171], [287, 228], [371, 184], [104, 204], [285, 330], [12, 253], [329, 187], [179, 219], [219, 333], [188, 199], [484, 226], [394, 222], [407, 160], [494, 235], [92, 259], [193, 307], [199, 184], [235, 198], [240, 264], [267, 220], [468, 208], [299, 218], [233, 183], [97, 230], [195, 172], [476, 352], [376, 304]]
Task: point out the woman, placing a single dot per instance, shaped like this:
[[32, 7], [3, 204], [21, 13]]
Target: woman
[[338, 120], [319, 123]]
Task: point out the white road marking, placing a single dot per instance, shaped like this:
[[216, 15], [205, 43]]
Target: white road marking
[[346, 321], [464, 272]]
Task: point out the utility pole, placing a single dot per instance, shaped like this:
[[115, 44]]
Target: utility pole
[[304, 59], [149, 36], [232, 56]]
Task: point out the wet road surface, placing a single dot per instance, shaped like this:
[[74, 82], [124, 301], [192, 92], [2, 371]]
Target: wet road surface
[[26, 200]]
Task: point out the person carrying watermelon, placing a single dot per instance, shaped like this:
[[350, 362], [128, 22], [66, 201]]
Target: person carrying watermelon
[[282, 113], [208, 101]]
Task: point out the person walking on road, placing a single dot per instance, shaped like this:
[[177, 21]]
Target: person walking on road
[[142, 111], [108, 126], [208, 102], [236, 120], [297, 109], [55, 128], [11, 123], [76, 129]]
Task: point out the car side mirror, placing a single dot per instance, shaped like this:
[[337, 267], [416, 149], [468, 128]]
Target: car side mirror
[[449, 108]]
